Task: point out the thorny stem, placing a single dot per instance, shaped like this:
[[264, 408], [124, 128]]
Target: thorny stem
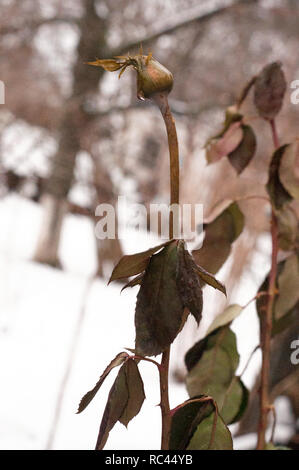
[[162, 102], [266, 324]]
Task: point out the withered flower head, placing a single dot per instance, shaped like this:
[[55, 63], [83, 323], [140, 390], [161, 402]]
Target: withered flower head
[[152, 77]]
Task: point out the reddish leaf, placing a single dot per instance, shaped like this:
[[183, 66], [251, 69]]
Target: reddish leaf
[[117, 361], [218, 148], [129, 265], [269, 90], [188, 282], [242, 155], [208, 278], [159, 309], [278, 194], [134, 282], [136, 393], [117, 400], [219, 235], [289, 169], [124, 401]]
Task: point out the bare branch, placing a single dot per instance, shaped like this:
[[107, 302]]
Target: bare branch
[[194, 15], [179, 108], [35, 24]]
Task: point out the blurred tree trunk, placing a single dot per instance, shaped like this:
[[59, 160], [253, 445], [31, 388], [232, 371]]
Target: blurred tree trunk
[[85, 81], [108, 250]]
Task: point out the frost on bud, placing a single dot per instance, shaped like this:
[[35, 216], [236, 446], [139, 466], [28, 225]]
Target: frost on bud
[[152, 77], [269, 90]]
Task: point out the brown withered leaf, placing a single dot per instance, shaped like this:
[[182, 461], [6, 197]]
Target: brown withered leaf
[[188, 283], [221, 147], [208, 278], [135, 390], [124, 400], [129, 265], [159, 309], [288, 228], [134, 282], [110, 65], [278, 194], [269, 89], [117, 361], [243, 154], [219, 236], [117, 400], [289, 169]]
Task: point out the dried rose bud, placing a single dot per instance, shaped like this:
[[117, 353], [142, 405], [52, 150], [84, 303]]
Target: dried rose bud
[[269, 90], [152, 77]]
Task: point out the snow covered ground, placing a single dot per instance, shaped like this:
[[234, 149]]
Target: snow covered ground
[[40, 312]]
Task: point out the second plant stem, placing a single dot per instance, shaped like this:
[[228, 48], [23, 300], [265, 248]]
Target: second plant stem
[[266, 324], [162, 102]]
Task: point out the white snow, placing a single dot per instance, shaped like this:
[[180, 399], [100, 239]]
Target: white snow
[[40, 309]]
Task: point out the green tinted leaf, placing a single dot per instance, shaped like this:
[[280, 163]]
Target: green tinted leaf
[[117, 361], [269, 90], [129, 265], [288, 287], [278, 195], [289, 169], [271, 446], [159, 309], [212, 363], [219, 235], [243, 154], [195, 427], [211, 375], [201, 440], [188, 283], [279, 324], [135, 391], [116, 403], [227, 316], [185, 421], [235, 401]]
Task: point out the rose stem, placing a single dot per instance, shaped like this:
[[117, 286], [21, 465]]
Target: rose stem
[[266, 324], [162, 102]]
